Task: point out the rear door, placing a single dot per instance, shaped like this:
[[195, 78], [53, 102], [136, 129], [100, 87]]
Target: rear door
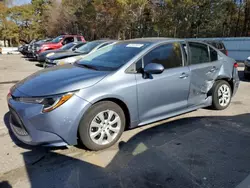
[[204, 68], [164, 93]]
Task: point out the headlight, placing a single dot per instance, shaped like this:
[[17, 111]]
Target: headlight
[[49, 103], [65, 61], [70, 60], [50, 54]]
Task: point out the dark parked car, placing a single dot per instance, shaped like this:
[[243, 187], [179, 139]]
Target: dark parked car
[[128, 84], [247, 68], [32, 47], [71, 57], [66, 48], [24, 49]]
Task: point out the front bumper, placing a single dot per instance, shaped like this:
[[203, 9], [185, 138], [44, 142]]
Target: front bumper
[[48, 63], [56, 128]]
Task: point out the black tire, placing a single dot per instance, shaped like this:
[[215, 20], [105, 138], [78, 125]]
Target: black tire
[[215, 98], [86, 120]]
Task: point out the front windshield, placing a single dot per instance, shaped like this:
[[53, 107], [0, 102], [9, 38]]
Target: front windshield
[[68, 46], [88, 47], [114, 56], [57, 39]]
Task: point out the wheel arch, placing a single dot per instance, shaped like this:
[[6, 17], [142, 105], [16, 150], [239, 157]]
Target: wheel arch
[[229, 80], [123, 106]]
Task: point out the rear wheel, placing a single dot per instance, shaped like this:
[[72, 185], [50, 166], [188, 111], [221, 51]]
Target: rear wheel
[[221, 95], [102, 125]]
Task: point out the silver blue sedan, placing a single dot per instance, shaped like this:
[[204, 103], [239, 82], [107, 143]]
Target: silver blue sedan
[[122, 86]]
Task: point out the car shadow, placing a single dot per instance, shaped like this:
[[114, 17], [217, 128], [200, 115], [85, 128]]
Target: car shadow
[[39, 65], [5, 184], [31, 59], [190, 152]]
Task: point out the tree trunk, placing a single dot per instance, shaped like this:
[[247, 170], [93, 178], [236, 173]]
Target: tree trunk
[[238, 20], [4, 41]]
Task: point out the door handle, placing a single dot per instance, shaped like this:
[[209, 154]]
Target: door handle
[[183, 75]]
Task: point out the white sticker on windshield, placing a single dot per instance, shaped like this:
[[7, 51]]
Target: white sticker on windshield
[[135, 45]]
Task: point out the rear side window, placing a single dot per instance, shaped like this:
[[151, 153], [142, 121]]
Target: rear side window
[[105, 44], [169, 55], [213, 54], [199, 53], [77, 46], [68, 40]]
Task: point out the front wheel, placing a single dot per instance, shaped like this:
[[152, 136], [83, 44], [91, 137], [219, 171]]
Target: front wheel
[[221, 95], [102, 125]]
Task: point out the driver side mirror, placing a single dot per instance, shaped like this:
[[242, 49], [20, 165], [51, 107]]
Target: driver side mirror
[[153, 68]]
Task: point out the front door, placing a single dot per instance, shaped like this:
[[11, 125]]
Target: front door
[[165, 93]]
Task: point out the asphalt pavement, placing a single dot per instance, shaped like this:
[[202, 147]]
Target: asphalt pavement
[[204, 148]]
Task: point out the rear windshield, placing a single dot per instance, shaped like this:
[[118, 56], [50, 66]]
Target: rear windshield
[[89, 47], [68, 46], [114, 56], [57, 39]]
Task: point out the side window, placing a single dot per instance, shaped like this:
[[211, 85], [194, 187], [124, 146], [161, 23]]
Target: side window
[[105, 44], [79, 39], [169, 55], [213, 54], [199, 53], [138, 66], [79, 45], [68, 40]]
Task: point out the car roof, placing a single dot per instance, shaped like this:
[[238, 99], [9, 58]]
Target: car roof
[[154, 40]]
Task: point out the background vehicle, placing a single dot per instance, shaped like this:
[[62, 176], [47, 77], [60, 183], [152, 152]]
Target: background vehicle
[[219, 45], [24, 49], [247, 68], [58, 42], [71, 57], [66, 48], [32, 47], [215, 43], [124, 85]]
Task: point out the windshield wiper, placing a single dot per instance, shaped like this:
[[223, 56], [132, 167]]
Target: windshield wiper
[[87, 66]]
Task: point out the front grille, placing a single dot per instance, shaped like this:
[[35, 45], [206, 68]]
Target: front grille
[[17, 124]]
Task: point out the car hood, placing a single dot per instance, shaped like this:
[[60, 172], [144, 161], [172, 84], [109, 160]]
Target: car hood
[[57, 80], [53, 51], [64, 55]]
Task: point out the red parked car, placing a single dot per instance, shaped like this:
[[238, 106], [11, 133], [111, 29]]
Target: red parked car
[[58, 42]]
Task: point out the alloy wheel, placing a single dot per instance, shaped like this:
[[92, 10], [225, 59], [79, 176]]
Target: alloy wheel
[[105, 127]]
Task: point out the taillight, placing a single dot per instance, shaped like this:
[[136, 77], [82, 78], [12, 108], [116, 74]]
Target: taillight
[[236, 65], [226, 53], [9, 96]]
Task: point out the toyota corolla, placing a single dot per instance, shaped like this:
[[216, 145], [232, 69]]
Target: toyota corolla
[[122, 86]]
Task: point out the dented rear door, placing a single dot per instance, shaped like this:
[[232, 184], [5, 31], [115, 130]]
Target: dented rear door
[[204, 69]]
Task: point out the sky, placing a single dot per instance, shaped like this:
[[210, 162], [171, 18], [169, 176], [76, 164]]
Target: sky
[[21, 2]]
